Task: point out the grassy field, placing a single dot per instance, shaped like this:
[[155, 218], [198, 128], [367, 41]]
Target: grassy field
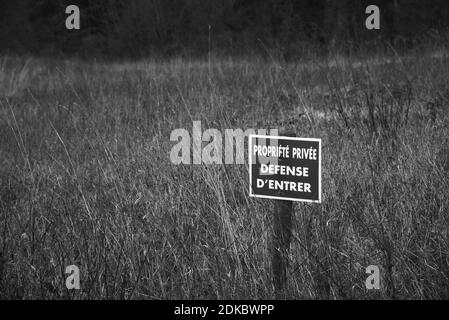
[[86, 178]]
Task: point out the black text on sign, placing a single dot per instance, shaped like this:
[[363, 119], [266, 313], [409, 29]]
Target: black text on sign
[[285, 168]]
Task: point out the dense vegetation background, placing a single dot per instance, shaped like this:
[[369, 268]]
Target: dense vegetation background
[[85, 173], [226, 27]]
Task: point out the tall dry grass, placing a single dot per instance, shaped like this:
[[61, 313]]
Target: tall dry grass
[[86, 178]]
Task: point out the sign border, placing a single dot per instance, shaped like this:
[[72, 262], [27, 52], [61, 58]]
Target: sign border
[[250, 144]]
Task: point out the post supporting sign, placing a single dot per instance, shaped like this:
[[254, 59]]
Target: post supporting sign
[[285, 168]]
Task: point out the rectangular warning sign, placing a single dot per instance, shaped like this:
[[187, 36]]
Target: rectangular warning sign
[[285, 168]]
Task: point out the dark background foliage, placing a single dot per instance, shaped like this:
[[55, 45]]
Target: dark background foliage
[[226, 27]]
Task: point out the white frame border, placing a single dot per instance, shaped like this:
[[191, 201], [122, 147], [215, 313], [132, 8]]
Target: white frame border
[[250, 144]]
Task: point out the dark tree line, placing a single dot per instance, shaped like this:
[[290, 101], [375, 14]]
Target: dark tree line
[[192, 27]]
